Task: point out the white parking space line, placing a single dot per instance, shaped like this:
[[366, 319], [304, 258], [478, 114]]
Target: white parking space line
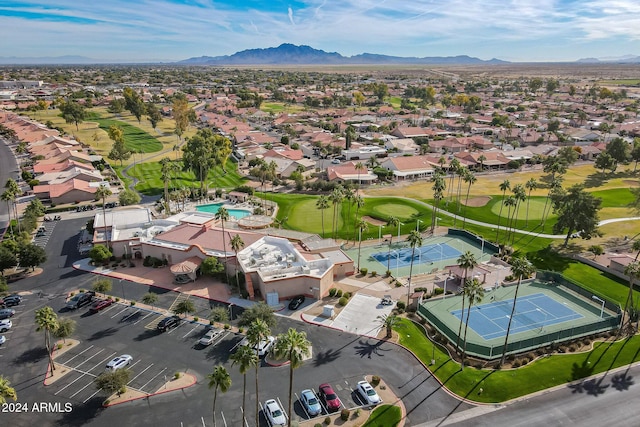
[[179, 325], [87, 385], [154, 377], [108, 309], [138, 321], [134, 364], [87, 359], [87, 349], [143, 371], [120, 312], [188, 333], [130, 315], [85, 401]]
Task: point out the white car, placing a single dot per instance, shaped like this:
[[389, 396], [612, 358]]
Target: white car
[[210, 336], [274, 413], [368, 393], [264, 346], [5, 325], [310, 402], [3, 339], [119, 362]]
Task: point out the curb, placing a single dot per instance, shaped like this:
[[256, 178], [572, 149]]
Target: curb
[[193, 382]]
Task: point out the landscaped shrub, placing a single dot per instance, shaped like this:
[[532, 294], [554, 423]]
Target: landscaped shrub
[[339, 293], [364, 271], [438, 291], [343, 301], [401, 305], [344, 414], [327, 420], [347, 295], [388, 273], [332, 292], [375, 380], [374, 273]]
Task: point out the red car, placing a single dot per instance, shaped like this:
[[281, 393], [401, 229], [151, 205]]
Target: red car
[[100, 304], [326, 393]]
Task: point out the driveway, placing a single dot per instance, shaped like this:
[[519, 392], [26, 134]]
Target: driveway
[[360, 316]]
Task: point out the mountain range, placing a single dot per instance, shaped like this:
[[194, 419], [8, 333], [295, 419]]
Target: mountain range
[[291, 54]]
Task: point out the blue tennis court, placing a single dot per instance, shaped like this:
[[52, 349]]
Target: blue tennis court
[[532, 312], [424, 254]]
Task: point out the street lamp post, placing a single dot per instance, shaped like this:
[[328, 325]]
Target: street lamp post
[[600, 300], [380, 234], [122, 284], [231, 312], [399, 224], [418, 225]]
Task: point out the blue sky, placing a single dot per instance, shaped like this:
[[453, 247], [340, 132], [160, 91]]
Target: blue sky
[[151, 30]]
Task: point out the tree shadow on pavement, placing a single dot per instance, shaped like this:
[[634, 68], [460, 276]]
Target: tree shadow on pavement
[[81, 415], [324, 357], [365, 348], [32, 355], [103, 333]]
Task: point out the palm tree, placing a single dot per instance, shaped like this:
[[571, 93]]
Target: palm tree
[[358, 200], [482, 159], [8, 196], [391, 222], [414, 239], [256, 332], [246, 359], [322, 203], [636, 248], [509, 202], [467, 261], [362, 226], [530, 185], [103, 192], [336, 198], [14, 190], [388, 321], [439, 186], [294, 347], [632, 270], [453, 169], [554, 186], [223, 215], [349, 194], [506, 185], [218, 379], [279, 222], [166, 171], [359, 167], [6, 391], [47, 321], [237, 244], [520, 196], [470, 178], [520, 267], [474, 292]]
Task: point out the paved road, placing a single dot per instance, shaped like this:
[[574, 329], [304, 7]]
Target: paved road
[[8, 169]]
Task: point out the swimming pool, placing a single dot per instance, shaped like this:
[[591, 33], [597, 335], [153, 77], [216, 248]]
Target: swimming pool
[[213, 208]]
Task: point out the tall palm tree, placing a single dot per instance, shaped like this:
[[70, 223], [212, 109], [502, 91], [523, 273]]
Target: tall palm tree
[[632, 270], [636, 248], [218, 379], [6, 391], [349, 194], [322, 203], [509, 203], [246, 359], [439, 186], [520, 267], [256, 332], [415, 240], [223, 215], [359, 167], [166, 171], [103, 192], [467, 261], [453, 169], [358, 200], [8, 196], [470, 178], [336, 197], [530, 185], [237, 244], [47, 321], [362, 226], [520, 195], [474, 292], [14, 191], [391, 222], [482, 159], [554, 186], [294, 347], [504, 186]]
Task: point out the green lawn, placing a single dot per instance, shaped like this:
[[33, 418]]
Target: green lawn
[[384, 416], [500, 386], [135, 138], [151, 184]]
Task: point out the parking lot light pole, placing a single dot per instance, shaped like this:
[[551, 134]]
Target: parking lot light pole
[[231, 312], [122, 284], [594, 297]]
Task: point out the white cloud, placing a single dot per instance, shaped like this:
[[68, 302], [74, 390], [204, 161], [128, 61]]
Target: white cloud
[[290, 13]]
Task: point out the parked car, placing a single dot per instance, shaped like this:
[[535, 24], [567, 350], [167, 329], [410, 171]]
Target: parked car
[[41, 234], [119, 362], [168, 323], [6, 313], [331, 399], [274, 413], [335, 161], [210, 336], [3, 339], [386, 300], [368, 393], [78, 300], [11, 300], [100, 304], [264, 346], [5, 325], [296, 302], [310, 402]]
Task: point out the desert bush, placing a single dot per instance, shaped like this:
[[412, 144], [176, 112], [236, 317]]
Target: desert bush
[[364, 271], [343, 301], [339, 293], [332, 292], [344, 414], [375, 380]]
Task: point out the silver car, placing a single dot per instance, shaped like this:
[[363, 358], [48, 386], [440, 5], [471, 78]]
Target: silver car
[[210, 336], [5, 325], [119, 363]]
